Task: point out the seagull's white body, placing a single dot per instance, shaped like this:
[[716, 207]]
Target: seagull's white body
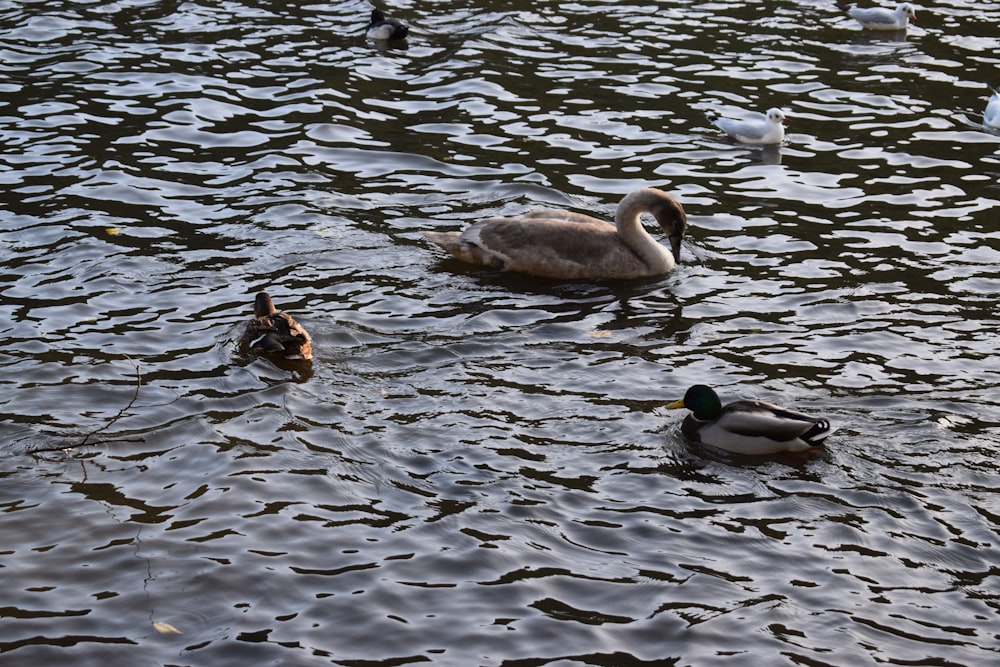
[[880, 18], [755, 128], [991, 117]]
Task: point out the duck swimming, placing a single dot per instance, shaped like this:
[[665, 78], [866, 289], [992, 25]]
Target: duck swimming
[[273, 333], [880, 18], [565, 245], [755, 128], [747, 426], [382, 29]]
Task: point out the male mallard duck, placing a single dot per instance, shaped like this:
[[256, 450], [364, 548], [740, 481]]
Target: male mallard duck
[[382, 29], [275, 333], [753, 128], [571, 246], [748, 427], [991, 117], [880, 18]]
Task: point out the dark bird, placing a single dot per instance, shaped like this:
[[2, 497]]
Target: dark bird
[[273, 333], [383, 29]]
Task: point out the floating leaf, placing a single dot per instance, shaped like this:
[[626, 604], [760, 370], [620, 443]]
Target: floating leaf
[[111, 231], [599, 334], [165, 628]]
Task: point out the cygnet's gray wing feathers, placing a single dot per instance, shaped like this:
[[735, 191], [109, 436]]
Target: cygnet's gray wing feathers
[[541, 246], [560, 214], [564, 247]]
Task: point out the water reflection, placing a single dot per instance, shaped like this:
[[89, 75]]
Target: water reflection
[[476, 457]]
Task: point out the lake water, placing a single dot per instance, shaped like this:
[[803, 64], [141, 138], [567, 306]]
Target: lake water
[[478, 469]]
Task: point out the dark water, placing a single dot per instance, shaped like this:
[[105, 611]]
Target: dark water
[[478, 469]]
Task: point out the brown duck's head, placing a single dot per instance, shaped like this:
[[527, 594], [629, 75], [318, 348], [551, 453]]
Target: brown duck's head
[[263, 306]]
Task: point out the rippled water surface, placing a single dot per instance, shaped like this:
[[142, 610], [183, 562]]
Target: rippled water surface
[[478, 469]]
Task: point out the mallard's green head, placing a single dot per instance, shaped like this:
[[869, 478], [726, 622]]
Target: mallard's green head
[[702, 401]]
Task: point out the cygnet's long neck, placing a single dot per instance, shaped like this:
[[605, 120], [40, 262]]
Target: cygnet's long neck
[[668, 214]]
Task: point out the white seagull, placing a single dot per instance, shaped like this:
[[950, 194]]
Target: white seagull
[[991, 117], [880, 18], [755, 128]]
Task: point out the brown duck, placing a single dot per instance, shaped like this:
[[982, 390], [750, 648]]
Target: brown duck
[[273, 333]]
